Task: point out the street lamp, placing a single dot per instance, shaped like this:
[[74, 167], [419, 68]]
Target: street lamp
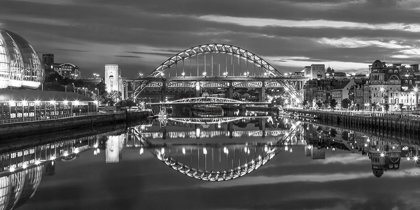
[[416, 90]]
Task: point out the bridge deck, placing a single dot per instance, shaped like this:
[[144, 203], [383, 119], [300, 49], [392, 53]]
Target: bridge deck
[[236, 78]]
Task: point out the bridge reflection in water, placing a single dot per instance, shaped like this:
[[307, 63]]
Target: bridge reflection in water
[[213, 157]]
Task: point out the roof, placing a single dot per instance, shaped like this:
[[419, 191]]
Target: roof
[[33, 95], [340, 84]]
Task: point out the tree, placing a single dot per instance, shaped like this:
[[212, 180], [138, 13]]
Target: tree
[[112, 97], [326, 103], [319, 104], [345, 103], [333, 104], [401, 108], [304, 102], [386, 107], [373, 106]]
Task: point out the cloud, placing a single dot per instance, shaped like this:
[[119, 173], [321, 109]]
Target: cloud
[[260, 22], [128, 56]]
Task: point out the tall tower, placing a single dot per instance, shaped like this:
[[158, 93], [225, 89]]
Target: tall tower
[[112, 78], [48, 61]]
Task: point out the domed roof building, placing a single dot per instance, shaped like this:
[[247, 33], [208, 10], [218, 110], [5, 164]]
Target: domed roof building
[[20, 65]]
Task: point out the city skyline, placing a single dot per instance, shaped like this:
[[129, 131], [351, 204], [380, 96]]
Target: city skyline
[[139, 36]]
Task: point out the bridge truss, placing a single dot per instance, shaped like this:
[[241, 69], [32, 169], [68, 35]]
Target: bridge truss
[[204, 49], [206, 100]]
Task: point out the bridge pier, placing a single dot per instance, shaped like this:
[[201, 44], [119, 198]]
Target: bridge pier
[[261, 95], [163, 91], [197, 89], [262, 126], [230, 129], [230, 90]]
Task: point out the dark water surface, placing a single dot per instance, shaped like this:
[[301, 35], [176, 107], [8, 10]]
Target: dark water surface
[[263, 162]]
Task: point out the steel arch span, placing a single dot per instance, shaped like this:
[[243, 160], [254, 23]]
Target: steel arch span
[[217, 49]]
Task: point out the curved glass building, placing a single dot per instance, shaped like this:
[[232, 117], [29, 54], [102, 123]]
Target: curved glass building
[[20, 66]]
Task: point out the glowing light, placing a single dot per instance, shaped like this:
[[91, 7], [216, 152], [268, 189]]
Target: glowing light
[[76, 150], [286, 148], [52, 158], [141, 151], [382, 154], [205, 151], [12, 168], [183, 150], [52, 102], [162, 151], [416, 158], [11, 103], [37, 102], [65, 102], [37, 162], [76, 103], [408, 158], [65, 154]]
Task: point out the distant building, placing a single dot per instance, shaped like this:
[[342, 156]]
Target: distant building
[[66, 70]]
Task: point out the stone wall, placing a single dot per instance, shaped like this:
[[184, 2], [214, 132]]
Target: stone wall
[[15, 130]]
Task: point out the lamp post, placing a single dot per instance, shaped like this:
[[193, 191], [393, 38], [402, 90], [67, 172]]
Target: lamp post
[[416, 90]]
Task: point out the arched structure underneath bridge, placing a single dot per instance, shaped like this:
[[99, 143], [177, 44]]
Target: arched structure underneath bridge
[[211, 120], [240, 53]]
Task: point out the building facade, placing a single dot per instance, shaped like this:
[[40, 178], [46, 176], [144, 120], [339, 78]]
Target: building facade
[[20, 65]]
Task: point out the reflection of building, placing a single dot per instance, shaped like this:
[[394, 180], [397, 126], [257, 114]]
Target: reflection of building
[[20, 66], [114, 145], [317, 153]]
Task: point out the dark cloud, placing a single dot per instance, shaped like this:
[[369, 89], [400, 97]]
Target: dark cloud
[[157, 29]]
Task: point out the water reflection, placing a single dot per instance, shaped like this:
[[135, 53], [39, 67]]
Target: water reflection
[[205, 148]]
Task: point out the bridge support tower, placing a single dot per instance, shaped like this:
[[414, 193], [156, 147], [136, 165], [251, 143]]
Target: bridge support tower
[[163, 90], [261, 95]]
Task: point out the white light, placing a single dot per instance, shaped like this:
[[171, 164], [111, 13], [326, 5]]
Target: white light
[[286, 148], [141, 151], [76, 150], [76, 102], [65, 102], [37, 162], [408, 158], [24, 165], [52, 158], [204, 73], [37, 102], [183, 74], [11, 103], [65, 154], [12, 168], [52, 102], [365, 145], [205, 151], [416, 158], [382, 154], [162, 151], [183, 150]]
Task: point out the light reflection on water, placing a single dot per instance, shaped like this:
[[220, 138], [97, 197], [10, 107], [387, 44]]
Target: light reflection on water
[[182, 153]]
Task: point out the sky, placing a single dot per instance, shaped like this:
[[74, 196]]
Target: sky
[[139, 35]]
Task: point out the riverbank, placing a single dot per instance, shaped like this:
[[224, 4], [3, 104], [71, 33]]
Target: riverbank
[[391, 126], [22, 129]]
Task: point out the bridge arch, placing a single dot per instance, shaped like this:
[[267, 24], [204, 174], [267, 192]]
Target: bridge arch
[[218, 49]]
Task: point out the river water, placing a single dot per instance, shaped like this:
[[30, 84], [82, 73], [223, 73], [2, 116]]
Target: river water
[[252, 160]]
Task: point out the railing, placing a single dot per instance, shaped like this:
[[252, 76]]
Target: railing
[[409, 115], [53, 117]]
